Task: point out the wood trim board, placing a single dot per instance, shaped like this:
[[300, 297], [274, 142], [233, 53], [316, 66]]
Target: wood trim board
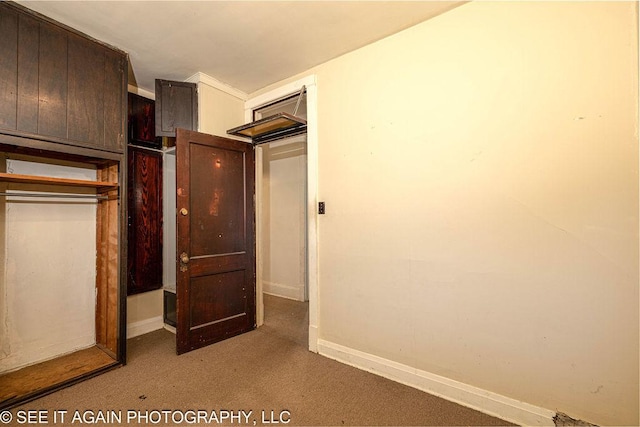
[[30, 179], [36, 380]]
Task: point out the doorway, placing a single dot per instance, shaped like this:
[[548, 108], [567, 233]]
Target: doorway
[[286, 194], [283, 227], [311, 202]]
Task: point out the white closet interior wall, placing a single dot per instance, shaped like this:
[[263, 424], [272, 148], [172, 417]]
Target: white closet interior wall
[[48, 276]]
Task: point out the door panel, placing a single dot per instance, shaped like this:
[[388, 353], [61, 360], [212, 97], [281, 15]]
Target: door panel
[[144, 225], [52, 84], [85, 116], [8, 67], [217, 199], [216, 239], [213, 297]]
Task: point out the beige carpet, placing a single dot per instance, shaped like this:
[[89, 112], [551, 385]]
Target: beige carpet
[[268, 369]]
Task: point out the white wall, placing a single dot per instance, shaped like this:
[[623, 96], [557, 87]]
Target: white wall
[[480, 172], [283, 217], [49, 271]]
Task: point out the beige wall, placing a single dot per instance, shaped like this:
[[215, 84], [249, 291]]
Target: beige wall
[[218, 111], [283, 218], [145, 307], [480, 172]]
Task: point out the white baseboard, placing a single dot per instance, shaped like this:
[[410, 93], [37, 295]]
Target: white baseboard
[[484, 401], [144, 326], [284, 291]]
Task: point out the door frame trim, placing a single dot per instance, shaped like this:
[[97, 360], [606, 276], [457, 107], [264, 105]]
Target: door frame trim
[[312, 198]]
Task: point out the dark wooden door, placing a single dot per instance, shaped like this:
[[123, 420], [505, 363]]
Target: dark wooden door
[[144, 227], [216, 239]]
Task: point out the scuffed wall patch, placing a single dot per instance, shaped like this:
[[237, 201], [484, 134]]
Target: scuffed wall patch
[[565, 420]]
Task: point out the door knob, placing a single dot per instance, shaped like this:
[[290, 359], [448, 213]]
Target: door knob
[[184, 258], [184, 212]]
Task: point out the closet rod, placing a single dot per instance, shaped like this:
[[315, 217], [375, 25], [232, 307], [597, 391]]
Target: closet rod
[[61, 196]]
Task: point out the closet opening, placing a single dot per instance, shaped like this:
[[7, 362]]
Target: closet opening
[[282, 218], [60, 310]]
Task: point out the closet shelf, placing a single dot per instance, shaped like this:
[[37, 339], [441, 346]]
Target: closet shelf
[[32, 179]]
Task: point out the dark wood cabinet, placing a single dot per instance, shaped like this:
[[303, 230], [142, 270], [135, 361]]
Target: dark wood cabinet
[[58, 84], [144, 220], [176, 107], [142, 119], [63, 99]]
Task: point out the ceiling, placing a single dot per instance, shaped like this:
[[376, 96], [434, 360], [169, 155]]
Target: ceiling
[[244, 44]]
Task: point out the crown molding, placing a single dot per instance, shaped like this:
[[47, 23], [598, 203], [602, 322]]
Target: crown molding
[[200, 77]]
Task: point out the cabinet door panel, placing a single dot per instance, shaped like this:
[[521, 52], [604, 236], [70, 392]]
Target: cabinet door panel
[[8, 68], [145, 221], [176, 107], [52, 82], [86, 91], [28, 42], [114, 100]]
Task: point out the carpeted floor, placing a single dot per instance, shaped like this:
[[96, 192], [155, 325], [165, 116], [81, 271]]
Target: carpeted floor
[[266, 371]]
